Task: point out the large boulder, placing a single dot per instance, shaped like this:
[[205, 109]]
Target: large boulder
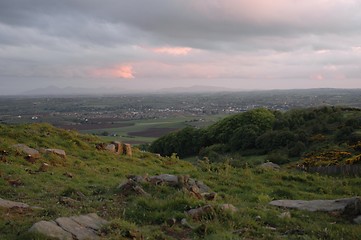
[[51, 229], [30, 152], [69, 228], [349, 207], [127, 150]]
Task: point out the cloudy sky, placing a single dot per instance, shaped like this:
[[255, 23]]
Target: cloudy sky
[[149, 45]]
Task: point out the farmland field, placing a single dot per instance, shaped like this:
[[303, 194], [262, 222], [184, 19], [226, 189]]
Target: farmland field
[[145, 131]]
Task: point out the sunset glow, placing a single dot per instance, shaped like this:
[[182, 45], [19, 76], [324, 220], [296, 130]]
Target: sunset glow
[[173, 50]]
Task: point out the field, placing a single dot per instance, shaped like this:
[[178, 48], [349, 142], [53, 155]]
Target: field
[[143, 131]]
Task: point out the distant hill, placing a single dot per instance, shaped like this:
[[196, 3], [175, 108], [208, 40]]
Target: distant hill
[[53, 90], [197, 89]]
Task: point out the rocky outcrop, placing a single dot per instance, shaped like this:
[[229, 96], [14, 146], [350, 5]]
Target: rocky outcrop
[[51, 229], [348, 207], [116, 147], [11, 204], [59, 152], [77, 227], [270, 165], [30, 152], [196, 188]]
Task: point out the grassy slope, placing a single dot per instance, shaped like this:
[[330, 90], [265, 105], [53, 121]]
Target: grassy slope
[[96, 174]]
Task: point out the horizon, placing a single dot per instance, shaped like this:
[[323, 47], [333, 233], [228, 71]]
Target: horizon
[[149, 46]]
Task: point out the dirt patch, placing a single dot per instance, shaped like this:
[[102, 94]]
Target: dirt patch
[[153, 132]]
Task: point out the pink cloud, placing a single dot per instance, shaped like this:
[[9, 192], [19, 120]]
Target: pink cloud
[[121, 71], [177, 51], [317, 76]]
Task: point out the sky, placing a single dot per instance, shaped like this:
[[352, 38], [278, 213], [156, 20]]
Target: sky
[[151, 45]]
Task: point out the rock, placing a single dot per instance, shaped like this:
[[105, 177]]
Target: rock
[[110, 148], [270, 165], [164, 178], [345, 206], [118, 147], [228, 207], [203, 188], [128, 150], [67, 201], [101, 146], [357, 220], [91, 220], [209, 196], [44, 167], [185, 223], [30, 152], [68, 174], [130, 187], [285, 215], [76, 227], [59, 152], [258, 218], [51, 229], [78, 230], [200, 212], [10, 204]]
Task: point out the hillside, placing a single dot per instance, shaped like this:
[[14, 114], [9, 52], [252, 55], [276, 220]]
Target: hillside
[[146, 206], [317, 136]]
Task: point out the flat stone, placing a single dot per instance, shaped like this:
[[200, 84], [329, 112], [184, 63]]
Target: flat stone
[[347, 206], [51, 229], [164, 178], [270, 165], [78, 230], [31, 152], [11, 204], [58, 152], [91, 220]]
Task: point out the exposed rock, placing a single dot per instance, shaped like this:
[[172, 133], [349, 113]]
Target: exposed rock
[[357, 220], [59, 152], [51, 229], [79, 231], [128, 150], [270, 165], [285, 215], [118, 147], [185, 223], [101, 146], [76, 227], [228, 207], [10, 204], [68, 174], [164, 178], [90, 220], [67, 201], [345, 206], [138, 179], [110, 148], [209, 196], [44, 167], [131, 187], [200, 212], [30, 152]]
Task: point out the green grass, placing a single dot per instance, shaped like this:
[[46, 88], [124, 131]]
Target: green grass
[[96, 174], [143, 125]]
